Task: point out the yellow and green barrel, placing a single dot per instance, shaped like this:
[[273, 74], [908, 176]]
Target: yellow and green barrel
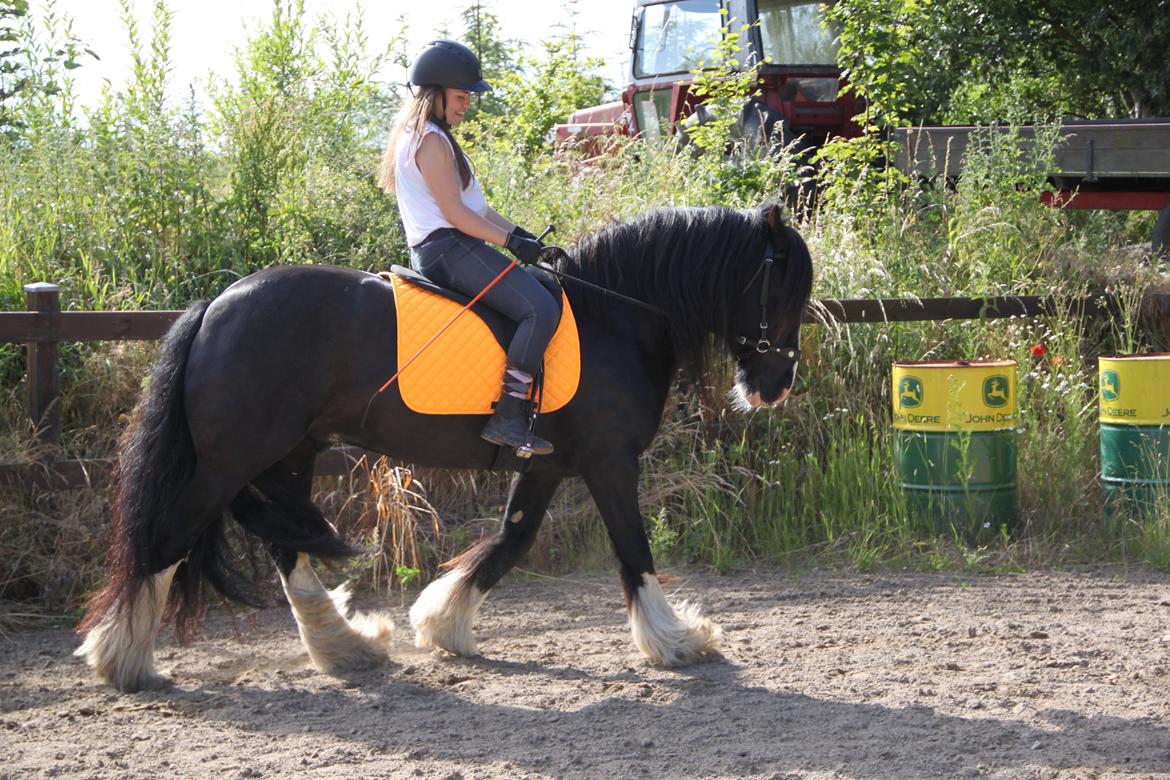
[[955, 443], [1134, 398]]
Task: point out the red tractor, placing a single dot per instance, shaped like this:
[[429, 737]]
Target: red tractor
[[799, 93]]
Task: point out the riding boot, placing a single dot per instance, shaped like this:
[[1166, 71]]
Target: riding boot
[[508, 426]]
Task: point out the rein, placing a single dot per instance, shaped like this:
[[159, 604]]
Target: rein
[[604, 290]]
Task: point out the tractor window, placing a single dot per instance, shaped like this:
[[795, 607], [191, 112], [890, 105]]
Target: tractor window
[[794, 33], [676, 37], [652, 114]]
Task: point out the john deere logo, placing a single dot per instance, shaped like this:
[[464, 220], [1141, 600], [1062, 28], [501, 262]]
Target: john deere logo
[[995, 391], [910, 392], [1110, 386]]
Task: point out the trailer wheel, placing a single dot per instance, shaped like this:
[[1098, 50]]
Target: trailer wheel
[[1160, 245]]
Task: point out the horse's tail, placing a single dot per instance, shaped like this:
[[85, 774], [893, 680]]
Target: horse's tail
[[156, 461], [151, 530]]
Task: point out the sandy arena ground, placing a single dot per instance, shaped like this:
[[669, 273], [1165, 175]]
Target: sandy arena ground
[[824, 675]]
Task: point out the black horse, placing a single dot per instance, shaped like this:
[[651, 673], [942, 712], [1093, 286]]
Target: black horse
[[250, 387]]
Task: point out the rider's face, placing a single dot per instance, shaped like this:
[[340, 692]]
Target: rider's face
[[458, 101]]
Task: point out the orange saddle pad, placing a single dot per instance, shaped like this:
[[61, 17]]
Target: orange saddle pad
[[463, 370]]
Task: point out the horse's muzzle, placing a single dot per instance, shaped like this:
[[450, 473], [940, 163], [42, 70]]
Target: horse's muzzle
[[759, 403]]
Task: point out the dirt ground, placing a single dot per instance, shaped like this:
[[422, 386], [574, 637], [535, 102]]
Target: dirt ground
[[1038, 675]]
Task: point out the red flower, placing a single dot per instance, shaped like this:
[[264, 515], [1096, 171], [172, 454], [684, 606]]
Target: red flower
[[1038, 350]]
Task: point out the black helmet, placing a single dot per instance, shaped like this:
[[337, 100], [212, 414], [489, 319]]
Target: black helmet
[[448, 64]]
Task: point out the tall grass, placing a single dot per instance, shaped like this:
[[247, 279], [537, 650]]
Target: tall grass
[[145, 201]]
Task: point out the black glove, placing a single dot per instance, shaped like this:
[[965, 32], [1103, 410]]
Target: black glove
[[524, 245]]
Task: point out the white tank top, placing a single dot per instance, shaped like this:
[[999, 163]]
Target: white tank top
[[420, 212]]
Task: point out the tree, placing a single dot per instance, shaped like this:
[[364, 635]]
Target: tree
[[548, 89], [497, 56], [12, 80], [34, 67], [964, 60], [1111, 55]]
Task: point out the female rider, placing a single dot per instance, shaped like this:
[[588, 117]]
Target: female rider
[[449, 225]]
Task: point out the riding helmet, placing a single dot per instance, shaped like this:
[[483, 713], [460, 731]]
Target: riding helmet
[[449, 64]]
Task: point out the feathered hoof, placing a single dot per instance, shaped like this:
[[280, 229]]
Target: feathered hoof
[[365, 645], [337, 643], [120, 647], [147, 681], [670, 636], [445, 635], [118, 662], [443, 614]]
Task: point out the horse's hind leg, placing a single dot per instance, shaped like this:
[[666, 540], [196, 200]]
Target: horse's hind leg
[[119, 645], [443, 614], [336, 641], [667, 635]]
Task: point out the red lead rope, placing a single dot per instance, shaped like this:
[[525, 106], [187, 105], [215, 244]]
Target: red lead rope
[[450, 322]]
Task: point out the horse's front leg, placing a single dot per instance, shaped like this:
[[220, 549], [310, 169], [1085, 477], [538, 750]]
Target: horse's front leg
[[337, 639], [668, 635], [443, 614]]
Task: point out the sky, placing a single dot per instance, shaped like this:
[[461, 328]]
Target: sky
[[205, 33]]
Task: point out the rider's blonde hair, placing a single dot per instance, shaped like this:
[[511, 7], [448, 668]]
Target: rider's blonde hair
[[426, 104]]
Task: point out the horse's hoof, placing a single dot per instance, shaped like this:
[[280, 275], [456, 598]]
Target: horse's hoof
[[355, 644], [445, 636], [443, 614], [694, 639], [670, 636], [156, 682], [151, 681]]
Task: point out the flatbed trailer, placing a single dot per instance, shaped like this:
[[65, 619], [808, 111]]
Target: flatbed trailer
[[1100, 164]]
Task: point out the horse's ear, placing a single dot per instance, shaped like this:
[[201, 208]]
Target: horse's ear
[[774, 214]]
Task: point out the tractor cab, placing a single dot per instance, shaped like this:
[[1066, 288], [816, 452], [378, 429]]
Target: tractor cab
[[799, 77]]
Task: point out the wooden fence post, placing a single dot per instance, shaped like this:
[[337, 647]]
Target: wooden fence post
[[44, 380]]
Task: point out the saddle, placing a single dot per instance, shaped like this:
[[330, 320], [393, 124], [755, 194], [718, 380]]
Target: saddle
[[462, 371]]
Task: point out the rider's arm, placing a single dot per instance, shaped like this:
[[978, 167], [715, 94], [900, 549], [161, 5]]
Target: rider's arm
[[499, 220], [436, 162]]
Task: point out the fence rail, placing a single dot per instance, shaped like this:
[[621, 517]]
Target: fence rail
[[43, 327], [63, 474]]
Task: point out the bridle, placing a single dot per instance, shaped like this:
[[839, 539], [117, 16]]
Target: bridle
[[762, 345]]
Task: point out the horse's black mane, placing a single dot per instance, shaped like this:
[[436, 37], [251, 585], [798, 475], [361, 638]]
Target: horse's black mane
[[694, 263]]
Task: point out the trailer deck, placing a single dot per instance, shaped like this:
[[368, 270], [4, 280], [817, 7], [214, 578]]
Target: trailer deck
[[1088, 152], [1101, 164]]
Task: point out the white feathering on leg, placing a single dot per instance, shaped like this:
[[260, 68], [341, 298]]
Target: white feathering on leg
[[121, 647], [336, 643], [670, 636], [443, 613]]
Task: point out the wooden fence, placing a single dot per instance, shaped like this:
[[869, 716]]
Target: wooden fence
[[43, 327]]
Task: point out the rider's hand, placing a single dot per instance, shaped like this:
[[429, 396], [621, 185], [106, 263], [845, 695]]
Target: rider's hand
[[522, 232], [524, 245]]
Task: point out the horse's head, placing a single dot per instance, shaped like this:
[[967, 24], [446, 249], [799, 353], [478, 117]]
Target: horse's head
[[765, 334]]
